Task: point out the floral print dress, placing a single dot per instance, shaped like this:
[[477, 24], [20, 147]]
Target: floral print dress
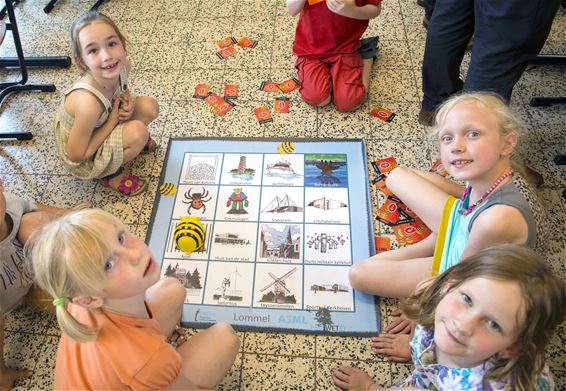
[[430, 375]]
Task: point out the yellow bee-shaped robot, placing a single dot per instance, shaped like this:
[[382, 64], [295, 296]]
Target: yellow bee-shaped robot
[[189, 234]]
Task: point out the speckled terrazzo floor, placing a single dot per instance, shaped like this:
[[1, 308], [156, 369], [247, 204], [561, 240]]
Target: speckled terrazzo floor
[[172, 44]]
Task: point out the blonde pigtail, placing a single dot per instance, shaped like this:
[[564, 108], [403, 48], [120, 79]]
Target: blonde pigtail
[[73, 328]]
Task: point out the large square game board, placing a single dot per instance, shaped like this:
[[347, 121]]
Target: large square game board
[[283, 222]]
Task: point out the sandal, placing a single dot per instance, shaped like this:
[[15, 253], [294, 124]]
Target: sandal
[[129, 185], [149, 146], [368, 47], [179, 336]]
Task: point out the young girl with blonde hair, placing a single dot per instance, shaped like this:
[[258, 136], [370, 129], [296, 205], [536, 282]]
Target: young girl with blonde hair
[[483, 324], [100, 125], [115, 313], [478, 134]]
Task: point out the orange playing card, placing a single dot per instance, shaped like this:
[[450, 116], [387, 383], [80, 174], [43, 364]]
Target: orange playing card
[[263, 115], [384, 166], [226, 42], [289, 85], [226, 52], [268, 86], [381, 186], [438, 168], [382, 244], [281, 105], [382, 113], [247, 43], [388, 213], [222, 108], [201, 91]]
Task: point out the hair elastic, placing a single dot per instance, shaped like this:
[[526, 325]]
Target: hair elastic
[[58, 301]]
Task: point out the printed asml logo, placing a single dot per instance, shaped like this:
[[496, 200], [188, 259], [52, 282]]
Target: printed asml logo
[[293, 319]]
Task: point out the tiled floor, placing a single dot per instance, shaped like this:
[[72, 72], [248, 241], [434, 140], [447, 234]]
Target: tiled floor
[[172, 44]]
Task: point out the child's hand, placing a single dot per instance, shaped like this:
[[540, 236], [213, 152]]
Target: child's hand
[[401, 325], [126, 109], [9, 376], [114, 114], [342, 7]]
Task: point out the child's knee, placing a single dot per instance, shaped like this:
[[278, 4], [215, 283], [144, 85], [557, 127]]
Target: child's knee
[[345, 105], [173, 288], [350, 101], [135, 133], [152, 108], [227, 333], [356, 276], [315, 97], [31, 222]]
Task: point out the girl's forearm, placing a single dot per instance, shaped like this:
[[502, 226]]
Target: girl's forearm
[[98, 137], [366, 12]]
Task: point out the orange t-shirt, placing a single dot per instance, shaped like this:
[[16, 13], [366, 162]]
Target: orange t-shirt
[[129, 353]]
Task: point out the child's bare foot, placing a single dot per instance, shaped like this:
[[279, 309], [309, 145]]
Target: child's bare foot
[[394, 347], [348, 378], [126, 184], [8, 377], [400, 325]]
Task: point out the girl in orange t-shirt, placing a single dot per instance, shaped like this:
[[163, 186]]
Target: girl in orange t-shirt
[[116, 315]]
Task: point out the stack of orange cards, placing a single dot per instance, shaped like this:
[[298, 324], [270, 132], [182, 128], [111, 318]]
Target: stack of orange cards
[[382, 167], [411, 233], [285, 86], [407, 226], [220, 106], [282, 104], [393, 212], [227, 48]]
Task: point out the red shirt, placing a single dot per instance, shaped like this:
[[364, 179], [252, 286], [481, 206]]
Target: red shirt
[[322, 33]]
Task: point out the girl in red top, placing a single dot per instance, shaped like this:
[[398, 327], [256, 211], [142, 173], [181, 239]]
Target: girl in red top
[[327, 40]]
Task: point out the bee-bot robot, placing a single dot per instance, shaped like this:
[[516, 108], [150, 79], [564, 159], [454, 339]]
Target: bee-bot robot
[[189, 234]]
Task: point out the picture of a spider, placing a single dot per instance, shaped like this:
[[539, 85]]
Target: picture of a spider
[[196, 200]]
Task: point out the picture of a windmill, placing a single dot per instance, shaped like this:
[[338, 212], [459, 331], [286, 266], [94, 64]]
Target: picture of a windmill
[[279, 293]]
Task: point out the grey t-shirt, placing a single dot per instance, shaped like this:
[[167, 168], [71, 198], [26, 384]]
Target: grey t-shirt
[[15, 278]]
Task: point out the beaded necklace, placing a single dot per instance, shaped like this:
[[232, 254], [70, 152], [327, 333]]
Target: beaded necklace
[[466, 208]]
